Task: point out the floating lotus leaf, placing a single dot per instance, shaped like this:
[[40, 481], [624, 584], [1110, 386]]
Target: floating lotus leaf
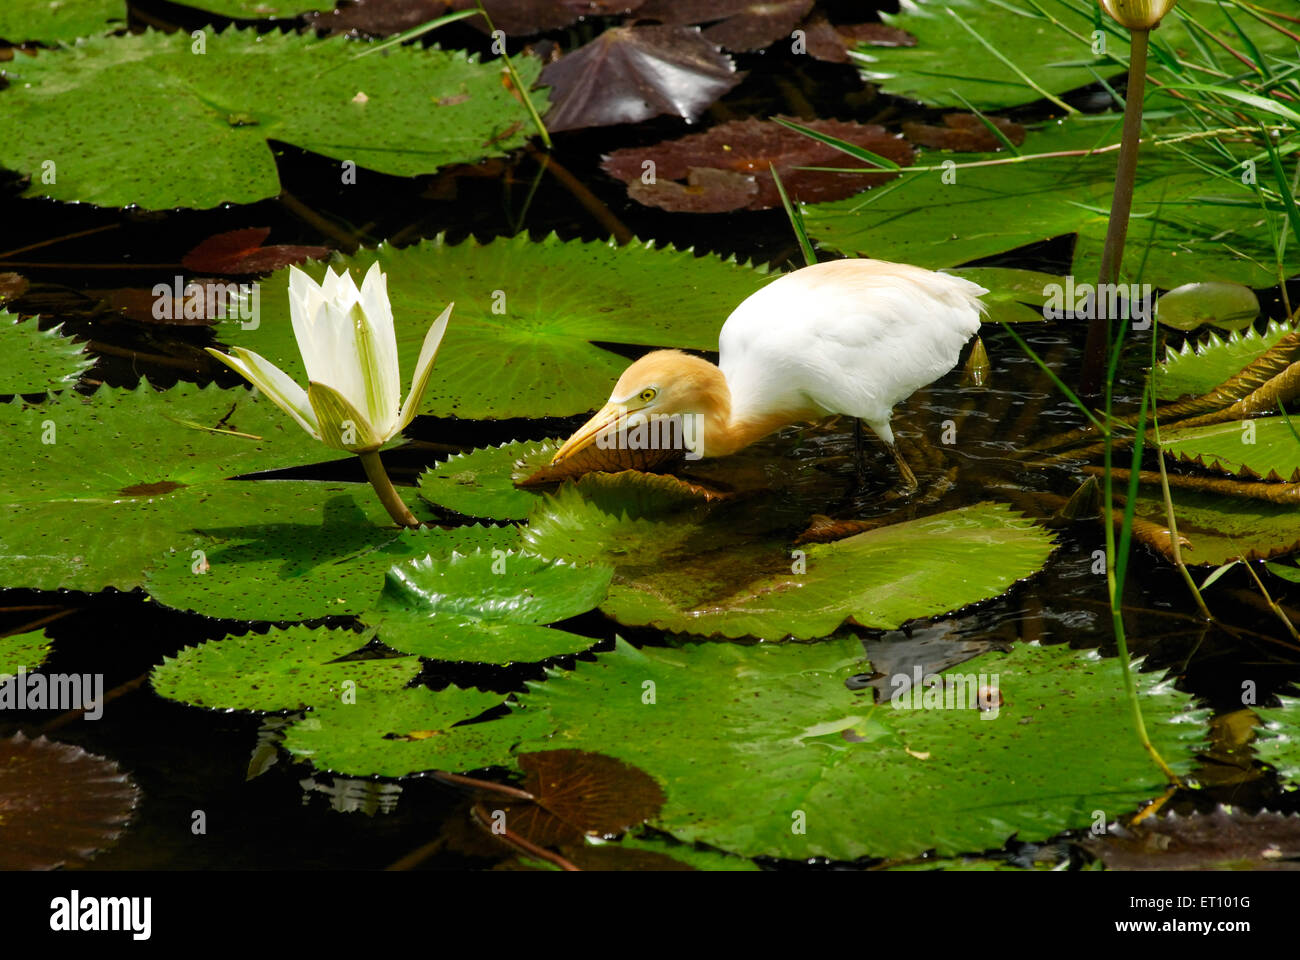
[[26, 650], [46, 21], [740, 25], [1266, 447], [1014, 296], [1051, 43], [297, 550], [1220, 528], [59, 805], [404, 112], [281, 670], [704, 572], [521, 338], [1278, 742], [1229, 306], [630, 74], [747, 149], [411, 731], [776, 725], [481, 483], [160, 462], [1285, 571], [1194, 372], [486, 608], [1222, 840], [33, 361], [260, 9], [990, 210]]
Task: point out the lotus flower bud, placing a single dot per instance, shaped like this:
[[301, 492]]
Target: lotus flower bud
[[1138, 14]]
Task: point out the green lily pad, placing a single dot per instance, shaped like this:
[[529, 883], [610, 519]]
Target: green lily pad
[[34, 361], [1273, 450], [521, 340], [23, 650], [410, 731], [1013, 295], [1196, 371], [1049, 43], [1278, 741], [281, 670], [55, 21], [1229, 306], [404, 111], [94, 489], [297, 550], [1203, 228], [696, 572], [821, 768], [1223, 528], [480, 483], [486, 607], [1285, 571]]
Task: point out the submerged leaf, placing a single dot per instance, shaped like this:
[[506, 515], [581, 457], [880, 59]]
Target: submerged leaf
[[1222, 840], [242, 251], [630, 74], [59, 805]]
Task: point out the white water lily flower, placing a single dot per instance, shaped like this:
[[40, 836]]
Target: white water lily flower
[[349, 347]]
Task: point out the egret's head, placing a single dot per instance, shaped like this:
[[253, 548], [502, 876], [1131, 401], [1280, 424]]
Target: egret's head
[[661, 384]]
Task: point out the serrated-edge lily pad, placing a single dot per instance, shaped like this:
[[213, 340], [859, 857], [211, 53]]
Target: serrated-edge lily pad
[[776, 725], [404, 112], [698, 574], [486, 607], [1196, 369], [411, 731], [23, 650], [521, 339], [481, 483], [281, 670], [50, 21], [34, 361], [1219, 528], [1278, 741], [1266, 447]]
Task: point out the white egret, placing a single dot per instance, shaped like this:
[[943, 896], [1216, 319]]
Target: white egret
[[852, 337]]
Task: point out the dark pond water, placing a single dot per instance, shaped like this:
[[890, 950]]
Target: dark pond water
[[186, 759]]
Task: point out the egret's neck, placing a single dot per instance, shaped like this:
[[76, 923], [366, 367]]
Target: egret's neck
[[724, 432]]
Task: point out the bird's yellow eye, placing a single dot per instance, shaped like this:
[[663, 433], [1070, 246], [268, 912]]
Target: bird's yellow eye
[[648, 394]]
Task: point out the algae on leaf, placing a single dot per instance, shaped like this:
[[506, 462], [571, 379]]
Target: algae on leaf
[[194, 131]]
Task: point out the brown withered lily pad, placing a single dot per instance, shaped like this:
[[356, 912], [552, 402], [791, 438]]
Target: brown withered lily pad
[[965, 133], [1222, 840], [747, 148], [58, 804], [12, 286], [630, 74], [241, 251], [832, 42], [739, 25], [577, 793]]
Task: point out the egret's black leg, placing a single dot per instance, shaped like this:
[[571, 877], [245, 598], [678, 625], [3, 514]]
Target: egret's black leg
[[859, 454]]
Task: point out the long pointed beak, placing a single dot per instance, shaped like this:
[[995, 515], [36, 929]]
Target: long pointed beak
[[607, 416]]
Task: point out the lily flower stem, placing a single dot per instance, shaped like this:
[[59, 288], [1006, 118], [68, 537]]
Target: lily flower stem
[[1112, 254], [378, 478]]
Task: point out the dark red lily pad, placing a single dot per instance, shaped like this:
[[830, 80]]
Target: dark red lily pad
[[740, 25], [1221, 840], [58, 804], [747, 147], [578, 793], [630, 74], [965, 133], [241, 252], [381, 18], [12, 286], [833, 41]]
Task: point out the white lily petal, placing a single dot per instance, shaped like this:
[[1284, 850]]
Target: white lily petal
[[423, 368], [276, 385], [305, 302], [342, 426]]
